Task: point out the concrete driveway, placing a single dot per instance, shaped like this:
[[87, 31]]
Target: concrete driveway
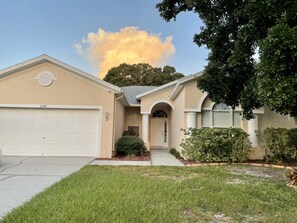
[[23, 177]]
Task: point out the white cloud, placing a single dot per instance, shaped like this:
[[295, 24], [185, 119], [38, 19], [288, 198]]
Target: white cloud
[[129, 45]]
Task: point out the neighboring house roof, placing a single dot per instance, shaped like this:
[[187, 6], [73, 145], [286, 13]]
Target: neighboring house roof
[[130, 93], [177, 84], [44, 58]]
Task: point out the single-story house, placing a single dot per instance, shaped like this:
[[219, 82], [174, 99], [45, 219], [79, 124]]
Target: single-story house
[[49, 108]]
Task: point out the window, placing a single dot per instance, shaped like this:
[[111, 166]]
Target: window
[[133, 119], [133, 130], [221, 116], [159, 114]]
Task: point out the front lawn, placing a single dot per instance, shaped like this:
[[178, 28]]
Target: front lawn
[[230, 193]]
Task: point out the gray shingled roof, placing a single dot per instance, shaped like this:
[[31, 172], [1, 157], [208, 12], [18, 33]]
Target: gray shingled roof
[[130, 93]]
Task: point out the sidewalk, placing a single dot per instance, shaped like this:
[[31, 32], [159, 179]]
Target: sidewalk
[[162, 157], [159, 157]]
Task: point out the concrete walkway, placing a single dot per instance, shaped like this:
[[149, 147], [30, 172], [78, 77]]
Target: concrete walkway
[[23, 177], [162, 157], [159, 157]]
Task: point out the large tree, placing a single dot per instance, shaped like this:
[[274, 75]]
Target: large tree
[[141, 74], [234, 31]]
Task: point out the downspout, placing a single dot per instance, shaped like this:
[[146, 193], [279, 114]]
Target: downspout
[[114, 120]]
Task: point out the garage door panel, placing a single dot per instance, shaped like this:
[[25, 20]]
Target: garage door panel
[[64, 137], [38, 124], [51, 138], [77, 126], [78, 138], [36, 149], [52, 125], [65, 125], [90, 126], [49, 132], [91, 138], [11, 147]]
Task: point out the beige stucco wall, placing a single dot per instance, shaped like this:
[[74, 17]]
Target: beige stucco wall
[[193, 95], [272, 119], [119, 124], [133, 118], [68, 89], [148, 101], [178, 121], [207, 103]]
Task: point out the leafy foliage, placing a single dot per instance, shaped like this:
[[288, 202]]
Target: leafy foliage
[[277, 86], [216, 145], [130, 145], [233, 31], [282, 144], [141, 74], [130, 132], [175, 153]]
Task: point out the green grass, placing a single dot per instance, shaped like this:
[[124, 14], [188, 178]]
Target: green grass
[[230, 193]]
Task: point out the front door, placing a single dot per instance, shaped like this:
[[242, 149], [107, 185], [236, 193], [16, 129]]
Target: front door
[[159, 132]]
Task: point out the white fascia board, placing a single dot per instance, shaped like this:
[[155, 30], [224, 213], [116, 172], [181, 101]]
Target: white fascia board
[[44, 57], [156, 89], [178, 88], [180, 81], [134, 105]]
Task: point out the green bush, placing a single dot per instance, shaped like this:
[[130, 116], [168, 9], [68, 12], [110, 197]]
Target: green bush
[[130, 132], [281, 144], [175, 153], [216, 145], [130, 145]]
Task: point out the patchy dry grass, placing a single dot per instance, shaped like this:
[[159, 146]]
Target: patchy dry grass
[[227, 193]]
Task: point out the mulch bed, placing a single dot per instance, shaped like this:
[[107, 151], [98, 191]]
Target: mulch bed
[[144, 157], [251, 162]]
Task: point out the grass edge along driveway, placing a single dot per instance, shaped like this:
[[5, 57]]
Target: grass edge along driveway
[[230, 193]]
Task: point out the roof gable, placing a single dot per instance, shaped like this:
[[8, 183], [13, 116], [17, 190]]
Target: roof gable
[[45, 58], [176, 84]]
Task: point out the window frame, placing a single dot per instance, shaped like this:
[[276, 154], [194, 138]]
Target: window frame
[[211, 117]]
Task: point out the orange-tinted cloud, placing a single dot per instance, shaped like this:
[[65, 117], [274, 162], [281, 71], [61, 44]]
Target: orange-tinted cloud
[[129, 45]]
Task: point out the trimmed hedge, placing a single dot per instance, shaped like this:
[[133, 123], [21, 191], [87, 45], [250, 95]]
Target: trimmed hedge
[[216, 145], [130, 133], [130, 145], [281, 144], [175, 153]]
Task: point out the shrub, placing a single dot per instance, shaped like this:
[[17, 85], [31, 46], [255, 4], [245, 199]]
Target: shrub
[[216, 145], [175, 153], [130, 132], [130, 145], [281, 144]]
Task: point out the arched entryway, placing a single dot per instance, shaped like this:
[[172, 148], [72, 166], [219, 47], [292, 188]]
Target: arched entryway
[[159, 129], [160, 125]]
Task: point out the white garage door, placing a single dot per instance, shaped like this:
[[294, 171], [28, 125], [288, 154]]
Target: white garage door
[[49, 132]]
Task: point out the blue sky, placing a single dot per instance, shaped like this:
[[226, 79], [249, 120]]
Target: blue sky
[[34, 27]]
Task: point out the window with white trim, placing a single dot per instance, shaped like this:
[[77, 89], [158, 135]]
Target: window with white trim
[[159, 114], [220, 116]]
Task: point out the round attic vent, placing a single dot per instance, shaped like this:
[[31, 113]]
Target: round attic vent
[[45, 78]]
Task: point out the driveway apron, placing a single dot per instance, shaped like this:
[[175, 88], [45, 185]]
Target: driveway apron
[[23, 177]]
